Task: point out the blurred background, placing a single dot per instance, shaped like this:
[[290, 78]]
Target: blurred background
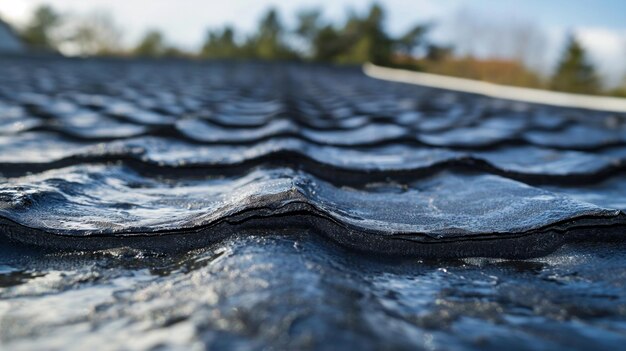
[[573, 46]]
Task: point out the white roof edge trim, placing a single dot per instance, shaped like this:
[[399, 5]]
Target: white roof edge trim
[[538, 96]]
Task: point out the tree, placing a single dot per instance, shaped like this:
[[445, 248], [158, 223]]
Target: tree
[[380, 45], [328, 44], [93, 34], [39, 31], [308, 28], [151, 45], [309, 23], [412, 39], [574, 73], [269, 42], [221, 44], [620, 90], [436, 52], [154, 45], [362, 39]]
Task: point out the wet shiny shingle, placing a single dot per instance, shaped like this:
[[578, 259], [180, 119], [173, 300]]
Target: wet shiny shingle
[[175, 149]]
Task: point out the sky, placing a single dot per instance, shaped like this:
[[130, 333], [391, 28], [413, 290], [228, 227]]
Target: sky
[[599, 24]]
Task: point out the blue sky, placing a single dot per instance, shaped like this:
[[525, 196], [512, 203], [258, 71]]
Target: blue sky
[[600, 24], [609, 13]]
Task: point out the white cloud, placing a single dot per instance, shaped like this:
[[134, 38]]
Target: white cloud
[[607, 49]]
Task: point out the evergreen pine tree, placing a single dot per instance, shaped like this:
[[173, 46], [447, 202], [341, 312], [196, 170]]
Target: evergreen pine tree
[[151, 45], [574, 73], [38, 32]]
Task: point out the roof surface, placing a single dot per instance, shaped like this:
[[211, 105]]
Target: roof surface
[[9, 41], [310, 197], [367, 162]]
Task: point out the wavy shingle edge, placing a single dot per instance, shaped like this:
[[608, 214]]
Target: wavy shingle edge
[[36, 152], [446, 215]]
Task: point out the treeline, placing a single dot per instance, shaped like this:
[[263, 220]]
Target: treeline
[[361, 38]]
